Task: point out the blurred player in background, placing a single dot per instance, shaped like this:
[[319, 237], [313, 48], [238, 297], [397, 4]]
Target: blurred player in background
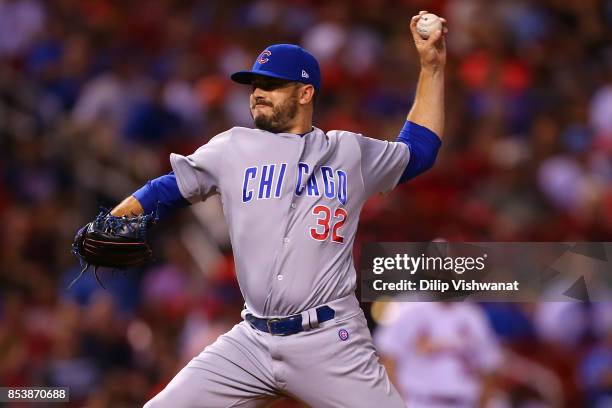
[[440, 354]]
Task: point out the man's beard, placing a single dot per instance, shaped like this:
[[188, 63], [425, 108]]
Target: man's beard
[[280, 119]]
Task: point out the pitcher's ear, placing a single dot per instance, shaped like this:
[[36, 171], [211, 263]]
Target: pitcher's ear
[[306, 94]]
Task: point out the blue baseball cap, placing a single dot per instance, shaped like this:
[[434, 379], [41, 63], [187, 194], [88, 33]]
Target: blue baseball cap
[[284, 61]]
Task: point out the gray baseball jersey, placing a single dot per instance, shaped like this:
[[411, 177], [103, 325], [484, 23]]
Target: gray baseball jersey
[[292, 204]]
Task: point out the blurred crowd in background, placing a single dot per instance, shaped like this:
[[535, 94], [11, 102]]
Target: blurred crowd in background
[[95, 94]]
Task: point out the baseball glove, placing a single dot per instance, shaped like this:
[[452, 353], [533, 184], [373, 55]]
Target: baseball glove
[[116, 242]]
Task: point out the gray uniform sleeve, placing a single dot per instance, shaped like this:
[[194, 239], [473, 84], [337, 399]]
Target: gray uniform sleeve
[[197, 175], [382, 163]]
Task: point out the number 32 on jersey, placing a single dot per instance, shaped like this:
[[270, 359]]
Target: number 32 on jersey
[[327, 223]]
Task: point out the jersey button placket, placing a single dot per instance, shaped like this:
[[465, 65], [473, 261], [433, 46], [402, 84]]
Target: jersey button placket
[[286, 241], [292, 205]]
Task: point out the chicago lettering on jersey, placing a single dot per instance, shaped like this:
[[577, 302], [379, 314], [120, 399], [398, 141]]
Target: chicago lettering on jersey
[[266, 182]]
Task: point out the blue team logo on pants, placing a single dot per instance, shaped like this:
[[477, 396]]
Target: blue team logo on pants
[[343, 334]]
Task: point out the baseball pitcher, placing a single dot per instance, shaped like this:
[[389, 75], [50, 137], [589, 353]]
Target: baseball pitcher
[[292, 195]]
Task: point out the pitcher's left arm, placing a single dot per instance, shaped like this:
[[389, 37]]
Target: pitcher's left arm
[[424, 126]]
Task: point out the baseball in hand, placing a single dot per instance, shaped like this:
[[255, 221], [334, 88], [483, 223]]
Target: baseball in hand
[[428, 24]]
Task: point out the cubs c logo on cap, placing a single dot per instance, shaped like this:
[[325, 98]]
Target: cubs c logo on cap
[[262, 57], [291, 63]]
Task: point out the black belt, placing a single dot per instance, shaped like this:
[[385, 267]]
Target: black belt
[[288, 325]]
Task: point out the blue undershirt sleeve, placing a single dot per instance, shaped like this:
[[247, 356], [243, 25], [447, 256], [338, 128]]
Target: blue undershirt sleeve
[[423, 145], [162, 195]]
